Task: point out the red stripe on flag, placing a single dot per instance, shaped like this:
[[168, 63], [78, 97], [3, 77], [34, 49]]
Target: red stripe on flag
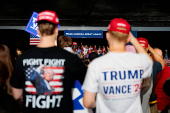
[[32, 92], [57, 86], [56, 80], [56, 92], [59, 74], [30, 86], [54, 67]]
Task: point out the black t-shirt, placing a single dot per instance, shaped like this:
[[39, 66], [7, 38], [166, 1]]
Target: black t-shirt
[[157, 67], [46, 76]]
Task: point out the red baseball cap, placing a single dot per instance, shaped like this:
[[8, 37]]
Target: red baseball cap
[[74, 43], [143, 41], [48, 15], [119, 22]]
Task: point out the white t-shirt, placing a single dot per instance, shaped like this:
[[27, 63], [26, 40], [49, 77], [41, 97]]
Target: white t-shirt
[[116, 78], [69, 49], [85, 51]]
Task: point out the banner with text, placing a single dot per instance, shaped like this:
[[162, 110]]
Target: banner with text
[[84, 33]]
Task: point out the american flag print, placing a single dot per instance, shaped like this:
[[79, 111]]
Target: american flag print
[[55, 84], [34, 40]]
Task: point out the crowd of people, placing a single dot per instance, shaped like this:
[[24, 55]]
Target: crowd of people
[[118, 78], [83, 51]]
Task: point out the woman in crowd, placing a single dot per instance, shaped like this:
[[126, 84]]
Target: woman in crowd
[[7, 102], [6, 59], [65, 42]]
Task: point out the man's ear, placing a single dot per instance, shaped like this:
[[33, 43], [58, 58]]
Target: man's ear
[[56, 31], [38, 31], [107, 36], [128, 39]]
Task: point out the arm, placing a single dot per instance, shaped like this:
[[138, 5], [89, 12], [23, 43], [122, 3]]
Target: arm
[[81, 46], [17, 79], [156, 56], [17, 93], [82, 49], [91, 85], [138, 47], [89, 99], [40, 69]]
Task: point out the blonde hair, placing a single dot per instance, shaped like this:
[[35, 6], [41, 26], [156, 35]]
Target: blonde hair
[[46, 28], [118, 35]]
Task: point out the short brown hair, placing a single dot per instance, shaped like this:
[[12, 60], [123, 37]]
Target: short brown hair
[[118, 35], [46, 28], [64, 41]]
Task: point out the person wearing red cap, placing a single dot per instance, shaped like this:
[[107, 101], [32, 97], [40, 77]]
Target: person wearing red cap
[[163, 101], [54, 95], [112, 83], [147, 92]]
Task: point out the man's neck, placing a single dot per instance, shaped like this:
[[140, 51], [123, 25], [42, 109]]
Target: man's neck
[[118, 48], [47, 41]]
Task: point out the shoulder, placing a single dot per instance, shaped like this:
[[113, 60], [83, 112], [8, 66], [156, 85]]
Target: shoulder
[[140, 55], [166, 69], [33, 52], [142, 58], [157, 66]]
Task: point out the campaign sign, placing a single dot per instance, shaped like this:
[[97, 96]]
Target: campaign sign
[[84, 33], [134, 34], [77, 96], [32, 25]]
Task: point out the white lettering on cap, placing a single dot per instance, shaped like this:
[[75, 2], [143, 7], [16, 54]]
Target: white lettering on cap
[[47, 13], [49, 17], [45, 17], [121, 24], [142, 41], [41, 17]]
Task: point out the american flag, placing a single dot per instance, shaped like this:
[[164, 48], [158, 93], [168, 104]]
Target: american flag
[[34, 40], [167, 61], [56, 83]]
